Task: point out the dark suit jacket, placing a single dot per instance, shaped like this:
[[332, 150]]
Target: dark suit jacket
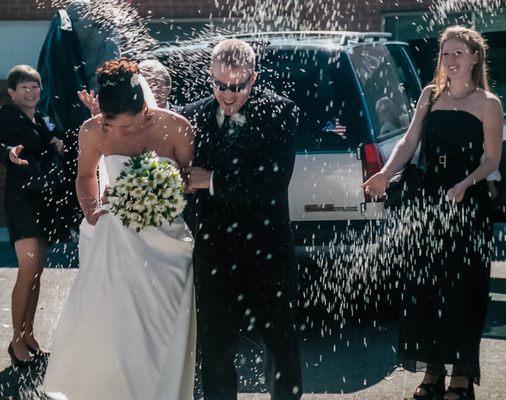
[[62, 70], [15, 129], [252, 159]]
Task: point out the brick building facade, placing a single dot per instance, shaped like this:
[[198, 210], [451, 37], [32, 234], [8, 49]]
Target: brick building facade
[[356, 15]]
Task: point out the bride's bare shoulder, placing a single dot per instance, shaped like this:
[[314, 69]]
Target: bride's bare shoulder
[[91, 130], [91, 126], [172, 122]]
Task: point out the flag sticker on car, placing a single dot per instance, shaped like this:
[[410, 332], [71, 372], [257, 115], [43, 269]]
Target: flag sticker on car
[[335, 127]]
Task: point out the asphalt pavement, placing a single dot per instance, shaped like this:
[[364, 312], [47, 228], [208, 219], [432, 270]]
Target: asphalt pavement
[[355, 362]]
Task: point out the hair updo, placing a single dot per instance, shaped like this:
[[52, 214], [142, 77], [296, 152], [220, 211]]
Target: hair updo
[[119, 90]]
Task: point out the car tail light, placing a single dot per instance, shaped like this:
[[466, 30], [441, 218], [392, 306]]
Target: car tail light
[[372, 163]]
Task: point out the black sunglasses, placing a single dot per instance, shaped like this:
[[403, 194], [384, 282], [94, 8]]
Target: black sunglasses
[[239, 87]]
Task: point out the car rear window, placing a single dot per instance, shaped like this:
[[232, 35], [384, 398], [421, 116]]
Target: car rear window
[[322, 85], [388, 103]]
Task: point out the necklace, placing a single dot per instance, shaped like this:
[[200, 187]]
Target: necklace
[[469, 93]]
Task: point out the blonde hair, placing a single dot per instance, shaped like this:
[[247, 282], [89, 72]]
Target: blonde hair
[[154, 68], [476, 44], [234, 53]]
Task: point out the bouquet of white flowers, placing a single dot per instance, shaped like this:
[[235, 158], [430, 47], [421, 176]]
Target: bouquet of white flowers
[[147, 192]]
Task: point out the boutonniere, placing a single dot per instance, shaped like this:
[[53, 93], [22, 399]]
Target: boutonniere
[[134, 81], [238, 119]]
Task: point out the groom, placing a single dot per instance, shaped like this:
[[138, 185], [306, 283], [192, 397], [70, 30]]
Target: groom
[[245, 268]]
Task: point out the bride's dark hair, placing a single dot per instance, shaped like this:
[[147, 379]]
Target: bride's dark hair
[[119, 90]]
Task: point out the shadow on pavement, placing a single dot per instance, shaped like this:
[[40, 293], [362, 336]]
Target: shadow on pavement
[[358, 356], [495, 325], [498, 285], [60, 255], [334, 360]]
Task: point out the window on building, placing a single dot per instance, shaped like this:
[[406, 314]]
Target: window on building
[[421, 32]]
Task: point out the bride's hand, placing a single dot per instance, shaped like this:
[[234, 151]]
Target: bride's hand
[[376, 185], [93, 217]]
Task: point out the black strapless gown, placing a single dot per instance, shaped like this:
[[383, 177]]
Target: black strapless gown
[[446, 284]]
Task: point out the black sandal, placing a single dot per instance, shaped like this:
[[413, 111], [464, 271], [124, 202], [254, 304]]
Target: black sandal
[[463, 393], [434, 390]]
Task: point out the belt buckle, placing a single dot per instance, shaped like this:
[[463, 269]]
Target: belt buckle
[[442, 160]]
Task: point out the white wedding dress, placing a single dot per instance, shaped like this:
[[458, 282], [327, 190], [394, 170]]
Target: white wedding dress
[[127, 330]]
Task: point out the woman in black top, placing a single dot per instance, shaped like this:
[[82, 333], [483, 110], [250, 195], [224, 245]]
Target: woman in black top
[[25, 145], [446, 284]]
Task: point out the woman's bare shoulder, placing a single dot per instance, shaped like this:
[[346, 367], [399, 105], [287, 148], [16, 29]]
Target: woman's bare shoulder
[[172, 122], [170, 116], [488, 104], [91, 126], [91, 131], [428, 92], [490, 98]]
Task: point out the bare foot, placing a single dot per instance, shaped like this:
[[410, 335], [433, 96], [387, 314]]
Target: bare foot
[[20, 350], [30, 341]]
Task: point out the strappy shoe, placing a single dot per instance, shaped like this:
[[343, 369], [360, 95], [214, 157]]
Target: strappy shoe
[[463, 393], [434, 390]]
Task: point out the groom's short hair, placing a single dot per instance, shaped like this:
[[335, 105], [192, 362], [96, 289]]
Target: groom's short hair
[[234, 53]]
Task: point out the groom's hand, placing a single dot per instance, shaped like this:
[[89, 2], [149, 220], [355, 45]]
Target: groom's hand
[[105, 195], [198, 178]]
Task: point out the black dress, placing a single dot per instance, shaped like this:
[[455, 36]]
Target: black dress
[[445, 295], [27, 211]]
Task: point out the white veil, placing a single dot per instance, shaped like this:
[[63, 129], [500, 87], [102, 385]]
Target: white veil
[[150, 100], [149, 97]]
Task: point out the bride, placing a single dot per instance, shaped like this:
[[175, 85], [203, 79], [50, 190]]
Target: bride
[[127, 330]]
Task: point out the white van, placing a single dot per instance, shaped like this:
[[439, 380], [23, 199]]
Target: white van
[[356, 92]]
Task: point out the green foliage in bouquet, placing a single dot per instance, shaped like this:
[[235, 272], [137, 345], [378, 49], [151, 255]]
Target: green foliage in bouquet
[[147, 192]]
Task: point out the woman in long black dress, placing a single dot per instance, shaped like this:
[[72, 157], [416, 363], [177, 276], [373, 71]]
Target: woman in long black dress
[[446, 291], [25, 144]]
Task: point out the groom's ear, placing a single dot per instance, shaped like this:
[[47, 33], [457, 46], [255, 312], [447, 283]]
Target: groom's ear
[[254, 77]]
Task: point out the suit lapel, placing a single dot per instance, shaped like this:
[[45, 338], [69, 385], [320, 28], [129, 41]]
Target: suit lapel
[[207, 131]]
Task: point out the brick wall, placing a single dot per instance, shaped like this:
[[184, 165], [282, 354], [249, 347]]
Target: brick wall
[[25, 9], [362, 15]]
